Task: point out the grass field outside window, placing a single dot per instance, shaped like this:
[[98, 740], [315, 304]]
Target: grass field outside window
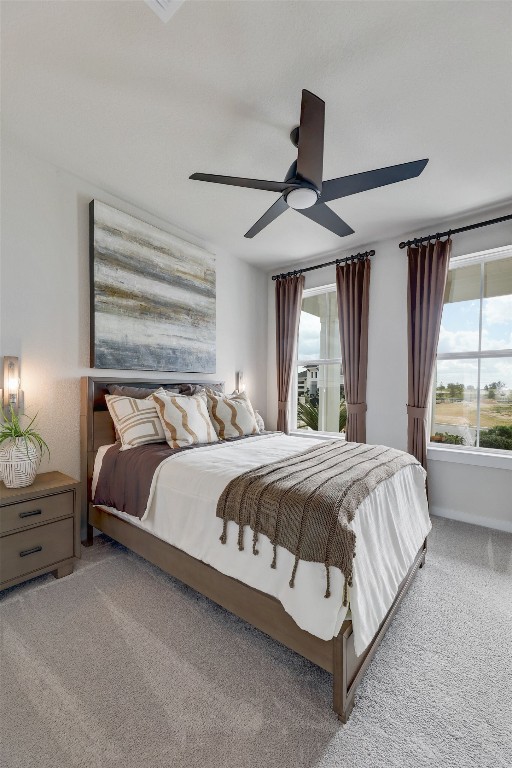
[[472, 392]]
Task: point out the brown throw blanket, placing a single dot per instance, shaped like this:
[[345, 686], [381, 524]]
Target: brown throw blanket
[[305, 503]]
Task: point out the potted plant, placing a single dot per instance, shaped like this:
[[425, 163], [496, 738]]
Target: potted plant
[[21, 450], [447, 437]]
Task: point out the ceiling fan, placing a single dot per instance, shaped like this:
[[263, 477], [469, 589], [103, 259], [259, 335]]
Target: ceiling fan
[[303, 188]]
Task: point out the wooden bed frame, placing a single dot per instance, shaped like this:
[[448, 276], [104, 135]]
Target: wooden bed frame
[[262, 611]]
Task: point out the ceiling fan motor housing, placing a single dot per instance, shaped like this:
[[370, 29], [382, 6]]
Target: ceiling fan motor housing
[[303, 196], [295, 178]]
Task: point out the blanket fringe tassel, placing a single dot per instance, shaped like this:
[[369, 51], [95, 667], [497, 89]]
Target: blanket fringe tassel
[[346, 585], [255, 551], [328, 575], [224, 535], [295, 565]]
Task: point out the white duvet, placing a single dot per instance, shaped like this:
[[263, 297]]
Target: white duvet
[[390, 526]]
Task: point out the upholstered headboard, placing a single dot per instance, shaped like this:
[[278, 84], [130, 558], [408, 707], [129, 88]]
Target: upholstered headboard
[[96, 426]]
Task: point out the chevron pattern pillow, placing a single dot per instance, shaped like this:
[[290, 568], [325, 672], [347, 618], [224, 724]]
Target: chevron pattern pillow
[[232, 415], [136, 421], [185, 419]]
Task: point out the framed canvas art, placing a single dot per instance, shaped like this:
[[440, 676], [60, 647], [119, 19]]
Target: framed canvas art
[[152, 297]]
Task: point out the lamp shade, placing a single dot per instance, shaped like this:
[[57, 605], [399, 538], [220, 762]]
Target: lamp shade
[[11, 387]]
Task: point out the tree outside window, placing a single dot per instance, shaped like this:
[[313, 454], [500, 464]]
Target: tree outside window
[[320, 391], [472, 393]]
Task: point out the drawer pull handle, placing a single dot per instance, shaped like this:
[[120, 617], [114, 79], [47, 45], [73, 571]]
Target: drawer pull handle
[[32, 513], [30, 551]]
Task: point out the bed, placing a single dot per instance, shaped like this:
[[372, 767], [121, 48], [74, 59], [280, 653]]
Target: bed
[[340, 641]]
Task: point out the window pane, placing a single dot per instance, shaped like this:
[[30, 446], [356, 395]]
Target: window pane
[[461, 312], [309, 332], [496, 403], [454, 417], [321, 398], [497, 305], [319, 336]]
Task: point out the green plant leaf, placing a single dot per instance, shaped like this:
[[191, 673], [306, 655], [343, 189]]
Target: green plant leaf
[[11, 428]]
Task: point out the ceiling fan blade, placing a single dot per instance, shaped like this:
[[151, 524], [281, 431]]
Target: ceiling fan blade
[[235, 181], [323, 215], [310, 159], [273, 212], [360, 182]]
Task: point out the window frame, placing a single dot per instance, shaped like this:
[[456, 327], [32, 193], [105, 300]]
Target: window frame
[[463, 453], [329, 288]]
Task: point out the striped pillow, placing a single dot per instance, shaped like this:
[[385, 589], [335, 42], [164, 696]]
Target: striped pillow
[[136, 421], [232, 415], [185, 419]]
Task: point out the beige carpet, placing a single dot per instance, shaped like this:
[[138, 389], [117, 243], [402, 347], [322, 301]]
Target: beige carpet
[[119, 665]]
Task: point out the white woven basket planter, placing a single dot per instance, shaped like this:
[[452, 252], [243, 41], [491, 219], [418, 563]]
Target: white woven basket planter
[[17, 469]]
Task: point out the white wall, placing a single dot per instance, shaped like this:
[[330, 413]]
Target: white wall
[[45, 300], [477, 494]]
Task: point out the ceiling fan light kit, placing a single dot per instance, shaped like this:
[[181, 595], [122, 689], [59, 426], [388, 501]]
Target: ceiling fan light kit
[[301, 197], [303, 188]]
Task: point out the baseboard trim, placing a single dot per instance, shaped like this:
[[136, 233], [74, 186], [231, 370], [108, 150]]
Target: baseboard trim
[[465, 517]]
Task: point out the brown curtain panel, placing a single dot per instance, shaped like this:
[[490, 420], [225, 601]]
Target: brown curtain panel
[[289, 292], [353, 290], [428, 269]]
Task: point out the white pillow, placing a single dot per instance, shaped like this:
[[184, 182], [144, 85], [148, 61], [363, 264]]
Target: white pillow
[[136, 421], [259, 421], [232, 415], [185, 419]]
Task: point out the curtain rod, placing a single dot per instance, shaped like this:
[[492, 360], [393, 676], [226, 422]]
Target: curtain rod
[[438, 235], [355, 256]]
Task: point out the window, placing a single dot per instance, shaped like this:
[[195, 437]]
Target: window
[[320, 402], [472, 392]]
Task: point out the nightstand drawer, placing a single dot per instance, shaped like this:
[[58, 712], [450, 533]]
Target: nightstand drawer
[[23, 514], [27, 551]]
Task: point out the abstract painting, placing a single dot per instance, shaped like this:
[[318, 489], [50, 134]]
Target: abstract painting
[[152, 297]]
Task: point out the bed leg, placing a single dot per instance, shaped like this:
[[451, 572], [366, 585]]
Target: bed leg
[[340, 702], [423, 559], [89, 538]]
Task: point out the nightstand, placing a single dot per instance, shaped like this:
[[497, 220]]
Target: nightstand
[[39, 528]]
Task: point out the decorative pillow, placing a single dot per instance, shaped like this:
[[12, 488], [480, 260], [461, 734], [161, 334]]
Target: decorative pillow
[[197, 389], [136, 421], [139, 393], [232, 415], [259, 421], [185, 419]]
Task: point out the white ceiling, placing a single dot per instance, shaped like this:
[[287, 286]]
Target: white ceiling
[[107, 91]]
